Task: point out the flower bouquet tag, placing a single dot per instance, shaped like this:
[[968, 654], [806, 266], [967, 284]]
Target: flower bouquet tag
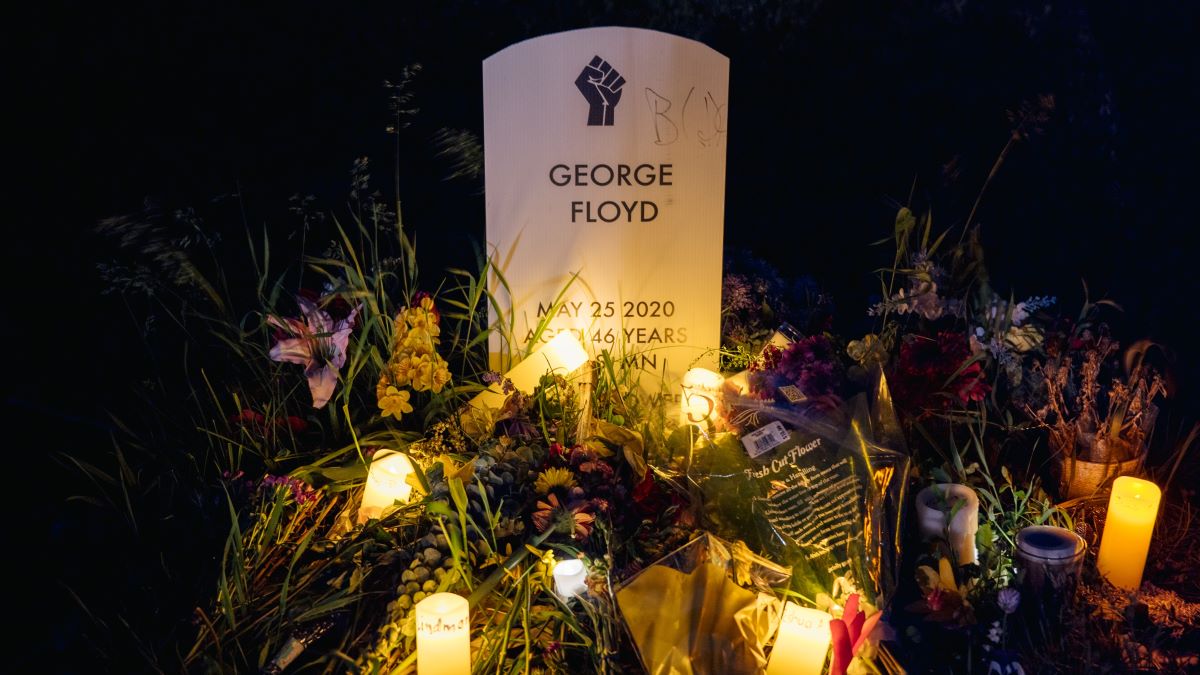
[[792, 393], [765, 439]]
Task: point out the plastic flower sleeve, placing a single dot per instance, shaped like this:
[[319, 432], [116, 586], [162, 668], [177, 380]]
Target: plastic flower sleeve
[[707, 607], [808, 487]]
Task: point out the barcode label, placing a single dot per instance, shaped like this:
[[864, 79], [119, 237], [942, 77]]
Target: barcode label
[[765, 439], [792, 393]]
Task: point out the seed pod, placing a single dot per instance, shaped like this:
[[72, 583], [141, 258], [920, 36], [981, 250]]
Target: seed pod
[[432, 556]]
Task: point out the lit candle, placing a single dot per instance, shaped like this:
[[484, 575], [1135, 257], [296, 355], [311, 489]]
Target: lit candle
[[1132, 509], [802, 643], [562, 355], [387, 483], [443, 635], [570, 578], [936, 503], [700, 390]]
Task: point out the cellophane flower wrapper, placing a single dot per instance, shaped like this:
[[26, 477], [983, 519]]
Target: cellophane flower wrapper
[[816, 488], [708, 607]]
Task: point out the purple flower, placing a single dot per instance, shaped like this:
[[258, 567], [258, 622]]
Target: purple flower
[[737, 294], [1008, 599], [318, 343], [301, 492]]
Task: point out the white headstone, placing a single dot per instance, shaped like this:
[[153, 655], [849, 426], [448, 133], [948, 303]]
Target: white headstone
[[605, 158]]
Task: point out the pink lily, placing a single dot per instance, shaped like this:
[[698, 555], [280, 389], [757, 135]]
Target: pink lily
[[849, 633], [317, 343]]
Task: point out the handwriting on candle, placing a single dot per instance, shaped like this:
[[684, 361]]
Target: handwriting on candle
[[805, 620], [438, 625]]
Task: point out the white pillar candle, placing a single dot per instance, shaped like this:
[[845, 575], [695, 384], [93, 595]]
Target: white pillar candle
[[803, 642], [562, 355], [935, 506], [387, 483], [1132, 510], [701, 387], [443, 635], [570, 578]]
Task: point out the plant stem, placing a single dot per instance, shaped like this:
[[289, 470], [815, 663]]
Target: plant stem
[[1012, 141], [513, 560]]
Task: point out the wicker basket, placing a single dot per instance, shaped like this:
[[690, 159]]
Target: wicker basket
[[1078, 477]]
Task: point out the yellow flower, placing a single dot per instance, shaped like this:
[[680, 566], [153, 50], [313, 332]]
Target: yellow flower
[[403, 370], [552, 478], [418, 341], [441, 376], [395, 403], [421, 372], [419, 318]]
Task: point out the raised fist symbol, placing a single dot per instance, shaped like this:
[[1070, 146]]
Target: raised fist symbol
[[601, 85]]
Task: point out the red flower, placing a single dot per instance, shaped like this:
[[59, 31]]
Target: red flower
[[644, 492], [930, 374], [849, 634], [256, 422]]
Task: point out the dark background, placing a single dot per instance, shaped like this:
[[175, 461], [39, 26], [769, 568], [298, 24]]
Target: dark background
[[836, 109]]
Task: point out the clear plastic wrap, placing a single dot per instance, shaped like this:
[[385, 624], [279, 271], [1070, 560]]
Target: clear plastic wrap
[[809, 485]]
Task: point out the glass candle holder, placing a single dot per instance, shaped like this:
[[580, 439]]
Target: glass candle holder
[[1050, 557]]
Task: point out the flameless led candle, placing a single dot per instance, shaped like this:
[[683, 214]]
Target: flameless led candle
[[959, 533], [443, 635], [700, 390], [386, 484], [563, 354], [802, 643], [1132, 510], [570, 578]]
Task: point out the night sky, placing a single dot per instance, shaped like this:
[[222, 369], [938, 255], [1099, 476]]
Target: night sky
[[836, 109]]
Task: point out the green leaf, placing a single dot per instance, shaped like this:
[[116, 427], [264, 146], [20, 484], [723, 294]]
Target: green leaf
[[984, 537], [440, 509], [458, 493]]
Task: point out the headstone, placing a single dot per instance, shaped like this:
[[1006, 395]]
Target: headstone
[[605, 175]]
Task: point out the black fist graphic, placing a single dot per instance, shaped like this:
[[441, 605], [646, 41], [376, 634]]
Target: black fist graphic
[[601, 85]]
